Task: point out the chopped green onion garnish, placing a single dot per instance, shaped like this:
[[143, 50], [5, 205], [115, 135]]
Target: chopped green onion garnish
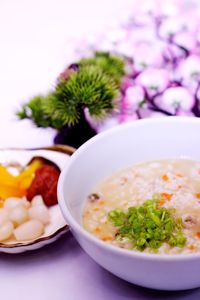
[[148, 225]]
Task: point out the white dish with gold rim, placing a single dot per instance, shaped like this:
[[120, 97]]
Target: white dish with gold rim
[[19, 158]]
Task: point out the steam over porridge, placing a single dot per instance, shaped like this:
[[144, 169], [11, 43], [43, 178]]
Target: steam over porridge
[[152, 207]]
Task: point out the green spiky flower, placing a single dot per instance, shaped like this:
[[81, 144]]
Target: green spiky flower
[[34, 110], [94, 85], [111, 65], [88, 87]]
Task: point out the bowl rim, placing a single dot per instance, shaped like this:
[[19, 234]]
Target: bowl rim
[[78, 228]]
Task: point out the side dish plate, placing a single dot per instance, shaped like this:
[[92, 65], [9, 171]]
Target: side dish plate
[[16, 158]]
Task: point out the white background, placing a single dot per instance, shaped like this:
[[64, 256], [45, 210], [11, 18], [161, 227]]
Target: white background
[[36, 43]]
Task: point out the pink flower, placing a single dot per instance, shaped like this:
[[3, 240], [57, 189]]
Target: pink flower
[[189, 69], [124, 118], [147, 54], [126, 83], [186, 40], [154, 80], [182, 113], [170, 27], [134, 97], [175, 99], [148, 113]]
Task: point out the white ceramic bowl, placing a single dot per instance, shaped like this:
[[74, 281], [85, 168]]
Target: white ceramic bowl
[[148, 139]]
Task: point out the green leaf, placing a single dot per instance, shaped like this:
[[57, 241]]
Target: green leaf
[[34, 110], [88, 87], [110, 64], [94, 86]]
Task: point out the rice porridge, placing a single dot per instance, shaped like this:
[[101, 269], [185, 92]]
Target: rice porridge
[[152, 207]]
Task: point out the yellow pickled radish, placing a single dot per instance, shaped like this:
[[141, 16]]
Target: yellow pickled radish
[[30, 169], [14, 190], [25, 178], [1, 203], [16, 186], [6, 177]]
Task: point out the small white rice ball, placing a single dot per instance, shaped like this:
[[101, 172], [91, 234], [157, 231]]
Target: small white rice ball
[[12, 202], [3, 216], [37, 200], [29, 230], [6, 230], [18, 215], [39, 212]]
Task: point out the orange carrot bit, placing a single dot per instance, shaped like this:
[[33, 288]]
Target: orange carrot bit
[[179, 175], [165, 177], [107, 238], [192, 247], [197, 195], [97, 229], [162, 202], [198, 234], [166, 196]]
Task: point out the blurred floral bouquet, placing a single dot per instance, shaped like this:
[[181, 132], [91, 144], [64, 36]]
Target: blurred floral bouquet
[[149, 66]]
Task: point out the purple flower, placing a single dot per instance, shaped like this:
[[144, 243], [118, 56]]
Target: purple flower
[[148, 54], [170, 27], [126, 83], [189, 69], [175, 99], [161, 43], [124, 118], [148, 113], [186, 40], [154, 80], [134, 98]]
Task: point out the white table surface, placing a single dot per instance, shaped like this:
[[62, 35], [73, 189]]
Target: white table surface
[[34, 48]]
